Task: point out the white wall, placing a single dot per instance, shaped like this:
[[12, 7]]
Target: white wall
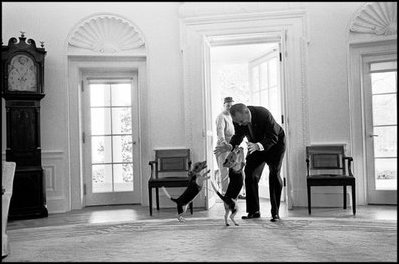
[[327, 71], [327, 87]]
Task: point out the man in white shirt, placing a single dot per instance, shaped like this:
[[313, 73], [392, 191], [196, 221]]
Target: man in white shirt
[[224, 131]]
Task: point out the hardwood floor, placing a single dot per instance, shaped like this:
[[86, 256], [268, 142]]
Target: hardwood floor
[[121, 213]]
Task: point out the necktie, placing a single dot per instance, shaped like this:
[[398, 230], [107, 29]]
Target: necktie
[[251, 133]]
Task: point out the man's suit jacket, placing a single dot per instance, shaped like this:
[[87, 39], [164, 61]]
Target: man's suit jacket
[[264, 128]]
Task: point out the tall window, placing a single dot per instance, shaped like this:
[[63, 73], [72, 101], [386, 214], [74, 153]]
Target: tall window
[[111, 136]]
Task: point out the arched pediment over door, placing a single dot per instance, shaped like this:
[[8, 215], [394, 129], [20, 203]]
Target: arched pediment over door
[[374, 21], [106, 34]]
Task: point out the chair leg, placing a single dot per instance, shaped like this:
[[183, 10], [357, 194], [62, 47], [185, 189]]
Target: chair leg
[[344, 196], [309, 199], [354, 199], [150, 199], [157, 196], [191, 207]]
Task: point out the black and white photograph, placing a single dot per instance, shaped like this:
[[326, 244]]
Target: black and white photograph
[[199, 131]]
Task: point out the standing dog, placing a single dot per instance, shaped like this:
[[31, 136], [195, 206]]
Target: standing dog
[[235, 163], [193, 189]]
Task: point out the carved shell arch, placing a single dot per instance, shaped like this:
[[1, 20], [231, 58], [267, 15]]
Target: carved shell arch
[[106, 33], [378, 18]]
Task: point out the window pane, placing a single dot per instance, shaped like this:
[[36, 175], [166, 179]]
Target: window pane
[[122, 120], [385, 145], [101, 149], [123, 177], [274, 103], [264, 98], [121, 94], [382, 66], [123, 148], [384, 109], [383, 82], [102, 178], [255, 79], [263, 76], [256, 98], [99, 95], [273, 71], [386, 174], [100, 121]]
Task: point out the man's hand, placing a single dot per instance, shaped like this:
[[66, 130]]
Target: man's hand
[[222, 148], [252, 147]]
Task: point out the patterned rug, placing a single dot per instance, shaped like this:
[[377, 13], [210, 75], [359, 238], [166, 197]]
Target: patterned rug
[[296, 239]]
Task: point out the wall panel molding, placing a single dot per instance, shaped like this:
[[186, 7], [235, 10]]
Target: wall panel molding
[[54, 167], [49, 175]]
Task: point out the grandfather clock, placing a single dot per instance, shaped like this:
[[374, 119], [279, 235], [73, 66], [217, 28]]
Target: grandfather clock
[[22, 89]]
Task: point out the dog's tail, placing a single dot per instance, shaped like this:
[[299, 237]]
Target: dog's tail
[[218, 193], [167, 194]]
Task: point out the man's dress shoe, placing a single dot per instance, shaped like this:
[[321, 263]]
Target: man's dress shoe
[[275, 218], [250, 216]]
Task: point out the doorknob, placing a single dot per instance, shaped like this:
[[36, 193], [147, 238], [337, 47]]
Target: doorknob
[[373, 135], [134, 142]]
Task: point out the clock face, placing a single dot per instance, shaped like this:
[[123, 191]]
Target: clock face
[[22, 74]]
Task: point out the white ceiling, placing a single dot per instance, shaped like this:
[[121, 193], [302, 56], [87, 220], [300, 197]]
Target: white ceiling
[[240, 53]]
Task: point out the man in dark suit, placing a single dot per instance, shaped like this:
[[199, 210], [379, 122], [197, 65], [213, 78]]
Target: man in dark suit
[[266, 145]]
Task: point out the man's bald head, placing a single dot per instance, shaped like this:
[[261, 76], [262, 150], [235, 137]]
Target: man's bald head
[[240, 114], [237, 108]]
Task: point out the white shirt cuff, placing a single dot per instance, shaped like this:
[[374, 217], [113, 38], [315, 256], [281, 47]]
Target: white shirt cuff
[[260, 146]]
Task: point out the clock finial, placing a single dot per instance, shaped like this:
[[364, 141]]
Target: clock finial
[[22, 34], [42, 44]]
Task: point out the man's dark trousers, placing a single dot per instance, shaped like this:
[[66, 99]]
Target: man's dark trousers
[[253, 171]]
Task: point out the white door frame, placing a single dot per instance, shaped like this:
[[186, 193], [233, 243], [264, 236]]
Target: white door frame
[[210, 199], [373, 196], [357, 51], [292, 25], [76, 66], [109, 198]]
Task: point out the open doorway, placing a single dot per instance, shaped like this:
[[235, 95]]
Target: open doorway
[[251, 74]]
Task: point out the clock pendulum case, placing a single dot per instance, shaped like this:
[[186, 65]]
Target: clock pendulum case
[[22, 89]]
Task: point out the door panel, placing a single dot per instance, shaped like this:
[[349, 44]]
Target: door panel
[[265, 86]]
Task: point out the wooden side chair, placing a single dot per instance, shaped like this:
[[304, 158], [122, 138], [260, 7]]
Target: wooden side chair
[[327, 165], [169, 169]]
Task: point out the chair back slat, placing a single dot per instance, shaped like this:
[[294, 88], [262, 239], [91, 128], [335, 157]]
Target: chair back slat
[[173, 162], [328, 158], [325, 161]]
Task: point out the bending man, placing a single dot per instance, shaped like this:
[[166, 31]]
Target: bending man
[[266, 145]]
